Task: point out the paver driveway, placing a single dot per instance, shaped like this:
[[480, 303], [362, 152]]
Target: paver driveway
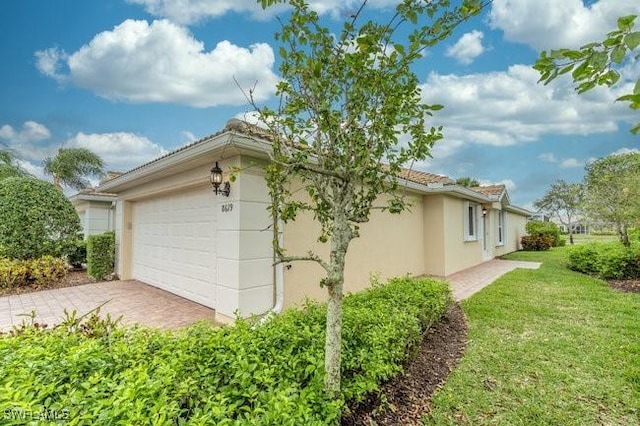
[[143, 304], [135, 301]]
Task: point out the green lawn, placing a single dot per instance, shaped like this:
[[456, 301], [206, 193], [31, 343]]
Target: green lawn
[[587, 238], [546, 347]]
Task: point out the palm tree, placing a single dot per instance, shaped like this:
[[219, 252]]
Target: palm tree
[[467, 181], [8, 166], [71, 166]]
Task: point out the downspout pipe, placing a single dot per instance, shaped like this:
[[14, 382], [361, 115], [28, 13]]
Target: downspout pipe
[[278, 280]]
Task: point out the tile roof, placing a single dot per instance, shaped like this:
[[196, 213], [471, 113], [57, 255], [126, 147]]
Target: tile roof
[[490, 190], [424, 178]]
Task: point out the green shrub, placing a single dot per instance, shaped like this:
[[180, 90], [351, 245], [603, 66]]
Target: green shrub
[[544, 229], [44, 270], [36, 219], [241, 375], [47, 269], [78, 255], [634, 234], [101, 255], [536, 242], [584, 258], [13, 273], [606, 260]]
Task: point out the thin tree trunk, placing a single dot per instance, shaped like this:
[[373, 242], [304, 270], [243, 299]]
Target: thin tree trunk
[[56, 182], [333, 343], [570, 235], [624, 236]]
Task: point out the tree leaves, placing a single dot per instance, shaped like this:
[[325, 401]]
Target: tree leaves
[[594, 63], [71, 166]]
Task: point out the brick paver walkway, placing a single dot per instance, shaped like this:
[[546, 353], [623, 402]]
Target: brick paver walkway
[[147, 305], [474, 279], [135, 301]]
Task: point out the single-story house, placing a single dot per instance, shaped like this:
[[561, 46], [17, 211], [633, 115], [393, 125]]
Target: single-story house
[[174, 233], [96, 211]]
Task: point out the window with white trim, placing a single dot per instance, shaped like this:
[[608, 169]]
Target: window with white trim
[[470, 221], [500, 227]]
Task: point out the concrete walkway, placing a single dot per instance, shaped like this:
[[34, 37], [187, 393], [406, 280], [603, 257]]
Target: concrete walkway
[[469, 281], [143, 304], [136, 302]]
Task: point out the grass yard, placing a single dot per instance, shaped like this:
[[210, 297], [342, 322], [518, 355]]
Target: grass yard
[[546, 347], [588, 238]]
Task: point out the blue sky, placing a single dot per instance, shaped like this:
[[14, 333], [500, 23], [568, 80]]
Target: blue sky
[[133, 79]]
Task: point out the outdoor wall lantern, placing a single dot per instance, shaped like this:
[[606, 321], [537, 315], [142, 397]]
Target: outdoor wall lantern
[[484, 211], [216, 181]]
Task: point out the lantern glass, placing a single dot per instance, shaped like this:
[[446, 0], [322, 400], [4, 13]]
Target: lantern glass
[[216, 175]]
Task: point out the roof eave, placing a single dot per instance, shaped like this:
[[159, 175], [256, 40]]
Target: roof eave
[[229, 139]]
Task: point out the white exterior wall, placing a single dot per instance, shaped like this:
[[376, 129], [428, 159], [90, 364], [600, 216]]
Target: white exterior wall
[[242, 256], [96, 217], [245, 254]]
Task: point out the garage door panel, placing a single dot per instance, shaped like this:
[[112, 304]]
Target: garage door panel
[[173, 244]]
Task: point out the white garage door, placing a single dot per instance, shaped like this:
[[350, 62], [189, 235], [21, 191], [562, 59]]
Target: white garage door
[[174, 246]]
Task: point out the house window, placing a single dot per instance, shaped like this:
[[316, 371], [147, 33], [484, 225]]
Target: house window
[[500, 227], [470, 222]]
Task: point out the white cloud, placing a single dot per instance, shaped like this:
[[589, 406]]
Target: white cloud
[[194, 11], [121, 151], [33, 169], [49, 61], [31, 132], [467, 48], [571, 163], [190, 137], [546, 24], [510, 108], [162, 62], [548, 157]]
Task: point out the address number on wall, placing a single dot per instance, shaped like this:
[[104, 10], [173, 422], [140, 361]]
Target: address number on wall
[[226, 208]]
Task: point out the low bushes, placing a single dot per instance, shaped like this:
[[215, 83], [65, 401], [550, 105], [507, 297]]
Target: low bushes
[[606, 260], [78, 254], [542, 236], [536, 242], [46, 269], [245, 374], [101, 255]]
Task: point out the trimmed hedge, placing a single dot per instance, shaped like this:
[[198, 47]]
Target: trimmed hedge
[[606, 260], [542, 236], [536, 242], [36, 219], [44, 270], [234, 375], [101, 253]]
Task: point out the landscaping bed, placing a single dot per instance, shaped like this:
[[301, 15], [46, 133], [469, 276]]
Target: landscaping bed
[[404, 400], [246, 374], [73, 278], [628, 286]]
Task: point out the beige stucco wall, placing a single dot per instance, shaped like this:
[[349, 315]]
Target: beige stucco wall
[[459, 254], [427, 238], [389, 245], [434, 234]]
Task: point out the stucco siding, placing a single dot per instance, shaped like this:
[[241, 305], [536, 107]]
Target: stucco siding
[[389, 245], [459, 254], [434, 234]]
